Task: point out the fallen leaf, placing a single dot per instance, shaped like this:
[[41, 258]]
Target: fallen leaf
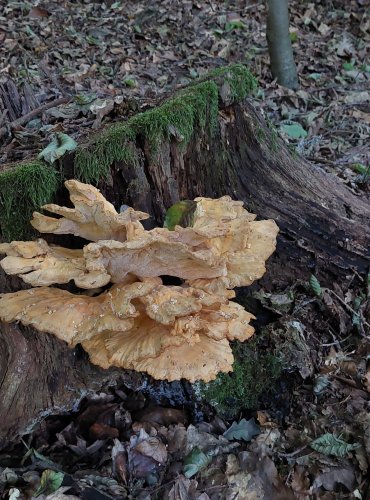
[[203, 440], [14, 494], [153, 448], [328, 444], [366, 380], [50, 482], [183, 489], [300, 483], [140, 466], [102, 431], [119, 461], [335, 476], [38, 12], [59, 495], [345, 47], [60, 144], [293, 130], [255, 478], [176, 439], [162, 416], [245, 430], [82, 450], [315, 285], [195, 462]]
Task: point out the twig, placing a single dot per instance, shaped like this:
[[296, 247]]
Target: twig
[[243, 9], [35, 112], [346, 381], [347, 306], [319, 159], [294, 453]]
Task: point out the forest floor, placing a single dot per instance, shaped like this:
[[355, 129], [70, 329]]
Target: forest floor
[[294, 420]]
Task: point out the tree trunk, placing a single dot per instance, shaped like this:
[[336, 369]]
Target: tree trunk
[[280, 46], [323, 229]]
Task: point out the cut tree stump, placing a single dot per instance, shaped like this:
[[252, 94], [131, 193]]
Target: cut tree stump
[[324, 229]]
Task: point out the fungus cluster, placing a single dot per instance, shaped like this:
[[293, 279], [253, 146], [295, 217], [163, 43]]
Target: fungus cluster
[[137, 322]]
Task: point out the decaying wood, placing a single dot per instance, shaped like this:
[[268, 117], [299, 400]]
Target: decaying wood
[[324, 228]]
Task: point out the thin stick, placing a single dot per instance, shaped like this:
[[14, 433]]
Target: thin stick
[[35, 112], [348, 307]]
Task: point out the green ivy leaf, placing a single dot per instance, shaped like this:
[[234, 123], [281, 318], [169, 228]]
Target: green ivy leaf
[[180, 214], [83, 99], [321, 383], [315, 76], [348, 67], [130, 82], [92, 40], [234, 25], [60, 144], [360, 168], [50, 482], [328, 444], [294, 130], [245, 429], [315, 285], [195, 462]]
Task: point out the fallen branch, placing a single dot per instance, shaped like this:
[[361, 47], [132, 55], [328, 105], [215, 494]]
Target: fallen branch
[[35, 112]]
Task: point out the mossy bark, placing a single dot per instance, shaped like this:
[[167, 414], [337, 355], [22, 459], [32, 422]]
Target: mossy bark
[[323, 229]]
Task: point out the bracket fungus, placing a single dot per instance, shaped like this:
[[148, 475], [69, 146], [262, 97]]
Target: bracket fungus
[[138, 322]]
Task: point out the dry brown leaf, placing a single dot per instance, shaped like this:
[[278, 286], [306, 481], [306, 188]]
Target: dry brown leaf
[[300, 483], [183, 489], [332, 477], [154, 448], [366, 380], [119, 461]]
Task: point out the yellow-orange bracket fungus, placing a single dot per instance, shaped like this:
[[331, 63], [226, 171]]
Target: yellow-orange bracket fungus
[[139, 323]]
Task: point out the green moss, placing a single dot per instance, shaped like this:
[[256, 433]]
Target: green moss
[[254, 373], [195, 106], [242, 82], [274, 135], [293, 151], [260, 134], [93, 160], [23, 189], [191, 108], [26, 187]]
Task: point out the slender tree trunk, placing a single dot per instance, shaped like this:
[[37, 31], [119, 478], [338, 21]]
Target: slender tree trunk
[[280, 46], [324, 228]]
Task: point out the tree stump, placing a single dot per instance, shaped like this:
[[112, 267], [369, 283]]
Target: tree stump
[[324, 226]]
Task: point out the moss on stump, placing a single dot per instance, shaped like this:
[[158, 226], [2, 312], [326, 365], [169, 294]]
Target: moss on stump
[[27, 186]]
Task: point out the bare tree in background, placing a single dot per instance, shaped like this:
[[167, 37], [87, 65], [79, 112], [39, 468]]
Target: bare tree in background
[[280, 46]]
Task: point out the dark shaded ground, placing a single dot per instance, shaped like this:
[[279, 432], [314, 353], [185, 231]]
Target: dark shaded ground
[[111, 60]]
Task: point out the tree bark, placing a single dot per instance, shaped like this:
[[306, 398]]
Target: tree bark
[[280, 46], [324, 228]]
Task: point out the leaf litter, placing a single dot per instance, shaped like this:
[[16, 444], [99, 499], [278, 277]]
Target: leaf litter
[[308, 434]]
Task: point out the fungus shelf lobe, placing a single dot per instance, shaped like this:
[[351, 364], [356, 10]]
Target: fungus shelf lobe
[[170, 332]]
